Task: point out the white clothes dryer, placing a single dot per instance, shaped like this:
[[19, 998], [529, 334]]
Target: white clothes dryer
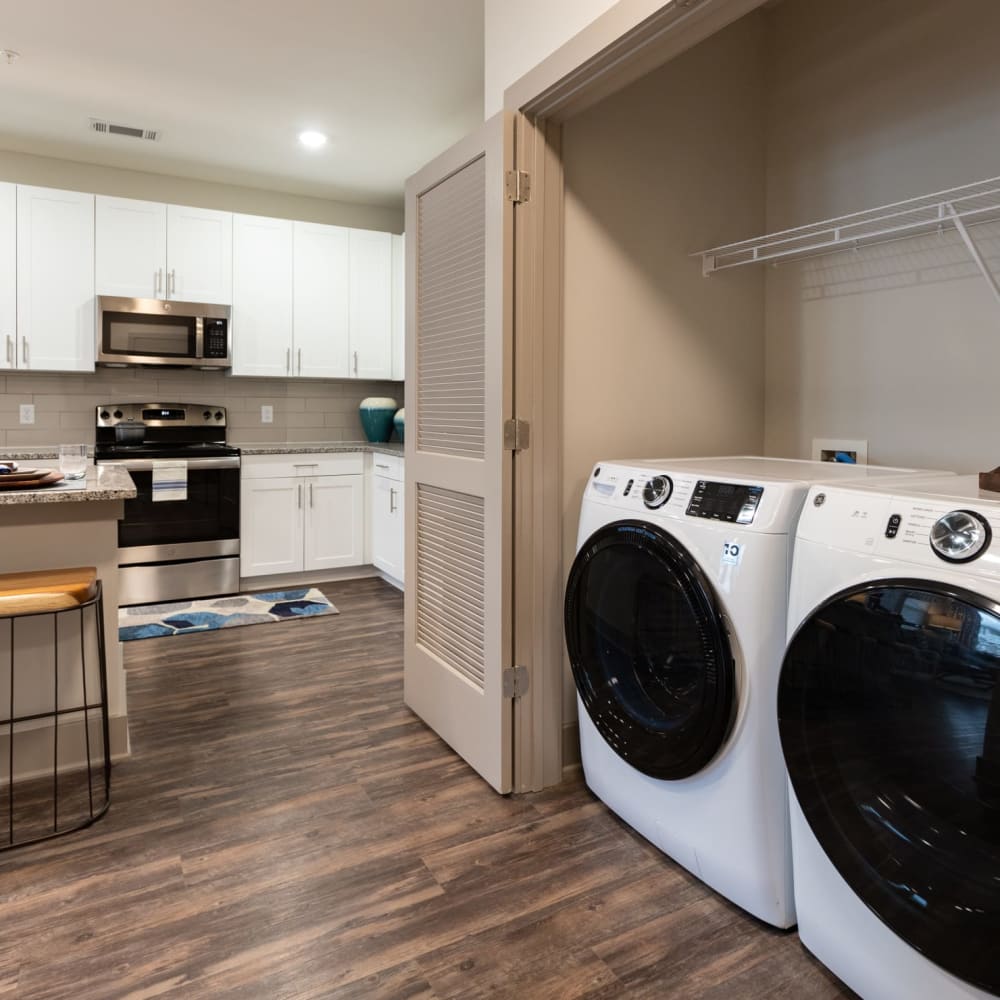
[[889, 718], [675, 626]]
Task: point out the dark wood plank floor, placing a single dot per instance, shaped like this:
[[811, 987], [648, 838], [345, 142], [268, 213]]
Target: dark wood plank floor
[[286, 828]]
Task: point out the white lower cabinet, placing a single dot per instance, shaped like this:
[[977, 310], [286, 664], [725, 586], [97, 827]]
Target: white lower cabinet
[[301, 513], [387, 515]]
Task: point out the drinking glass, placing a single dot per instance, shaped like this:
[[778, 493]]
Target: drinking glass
[[73, 460]]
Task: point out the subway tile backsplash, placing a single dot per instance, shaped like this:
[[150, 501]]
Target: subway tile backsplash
[[304, 409]]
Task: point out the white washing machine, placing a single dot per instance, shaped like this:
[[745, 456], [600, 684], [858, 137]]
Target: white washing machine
[[675, 626], [889, 717]]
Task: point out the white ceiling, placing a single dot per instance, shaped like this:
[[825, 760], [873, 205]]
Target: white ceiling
[[231, 83]]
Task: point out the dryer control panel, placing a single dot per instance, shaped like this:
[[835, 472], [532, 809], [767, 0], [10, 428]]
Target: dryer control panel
[[733, 502]]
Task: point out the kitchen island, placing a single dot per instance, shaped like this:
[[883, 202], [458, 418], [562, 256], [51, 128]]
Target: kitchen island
[[60, 526]]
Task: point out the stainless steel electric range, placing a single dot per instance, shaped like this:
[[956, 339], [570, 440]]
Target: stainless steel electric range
[[180, 536]]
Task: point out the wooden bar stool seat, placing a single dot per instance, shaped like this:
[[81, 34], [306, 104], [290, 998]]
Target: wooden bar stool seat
[[46, 590], [53, 703]]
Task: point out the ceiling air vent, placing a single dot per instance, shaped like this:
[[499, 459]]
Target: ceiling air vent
[[102, 127]]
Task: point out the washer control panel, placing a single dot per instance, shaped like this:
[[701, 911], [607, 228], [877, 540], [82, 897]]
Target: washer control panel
[[735, 503]]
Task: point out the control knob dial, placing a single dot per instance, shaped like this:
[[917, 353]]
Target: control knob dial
[[960, 536], [657, 492]]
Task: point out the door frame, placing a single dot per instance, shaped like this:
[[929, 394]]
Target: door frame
[[631, 39]]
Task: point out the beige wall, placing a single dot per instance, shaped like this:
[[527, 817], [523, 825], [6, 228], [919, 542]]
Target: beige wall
[[304, 410], [871, 102], [658, 361], [25, 168], [519, 34]]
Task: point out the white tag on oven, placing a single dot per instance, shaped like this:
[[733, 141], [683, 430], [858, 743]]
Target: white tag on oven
[[732, 553]]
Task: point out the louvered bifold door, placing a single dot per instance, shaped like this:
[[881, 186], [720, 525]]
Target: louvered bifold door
[[458, 477]]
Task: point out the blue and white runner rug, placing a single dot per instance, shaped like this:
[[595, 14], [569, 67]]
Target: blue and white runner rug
[[148, 621]]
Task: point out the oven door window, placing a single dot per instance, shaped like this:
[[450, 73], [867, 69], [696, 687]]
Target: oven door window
[[210, 513], [129, 335]]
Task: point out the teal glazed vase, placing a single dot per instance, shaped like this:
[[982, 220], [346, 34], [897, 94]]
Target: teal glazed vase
[[399, 422], [376, 417]]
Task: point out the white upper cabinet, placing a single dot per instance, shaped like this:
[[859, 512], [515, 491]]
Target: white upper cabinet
[[262, 297], [131, 248], [55, 279], [147, 250], [8, 276], [399, 307], [322, 332], [371, 304], [199, 255]]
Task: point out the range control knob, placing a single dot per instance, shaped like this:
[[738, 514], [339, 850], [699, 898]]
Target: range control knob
[[105, 415], [207, 414], [657, 491], [218, 414], [960, 536], [118, 414]]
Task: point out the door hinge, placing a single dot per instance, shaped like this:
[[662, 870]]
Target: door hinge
[[515, 682], [516, 435], [517, 185]]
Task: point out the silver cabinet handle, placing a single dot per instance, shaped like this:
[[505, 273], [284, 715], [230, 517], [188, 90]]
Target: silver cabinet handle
[[355, 362], [288, 360], [311, 495], [392, 501], [379, 465], [10, 350], [24, 351], [300, 360], [173, 282], [158, 282], [298, 490]]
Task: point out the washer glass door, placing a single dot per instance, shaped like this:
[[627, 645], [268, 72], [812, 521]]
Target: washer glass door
[[649, 650], [890, 725]]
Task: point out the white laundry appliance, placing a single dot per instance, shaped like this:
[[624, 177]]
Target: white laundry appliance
[[675, 619], [889, 717]]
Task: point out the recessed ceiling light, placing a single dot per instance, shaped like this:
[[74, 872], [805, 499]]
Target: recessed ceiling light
[[312, 139]]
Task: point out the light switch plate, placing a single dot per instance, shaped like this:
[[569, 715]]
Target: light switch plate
[[27, 413], [267, 414]]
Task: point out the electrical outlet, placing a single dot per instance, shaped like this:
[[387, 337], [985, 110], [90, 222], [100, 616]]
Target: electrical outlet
[[267, 414], [27, 413]]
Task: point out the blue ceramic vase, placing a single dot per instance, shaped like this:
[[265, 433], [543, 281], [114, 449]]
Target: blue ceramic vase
[[399, 422], [376, 417]]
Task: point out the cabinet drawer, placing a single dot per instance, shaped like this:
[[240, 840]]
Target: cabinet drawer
[[351, 463], [388, 466]]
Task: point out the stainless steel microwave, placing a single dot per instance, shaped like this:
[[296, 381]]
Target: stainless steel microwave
[[159, 332]]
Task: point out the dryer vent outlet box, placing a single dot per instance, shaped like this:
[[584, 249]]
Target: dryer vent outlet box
[[840, 450]]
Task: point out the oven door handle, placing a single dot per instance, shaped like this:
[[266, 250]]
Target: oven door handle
[[148, 464]]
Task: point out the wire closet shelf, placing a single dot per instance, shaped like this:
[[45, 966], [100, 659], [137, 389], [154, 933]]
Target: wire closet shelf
[[958, 208]]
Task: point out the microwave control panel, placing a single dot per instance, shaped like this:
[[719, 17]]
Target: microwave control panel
[[216, 340]]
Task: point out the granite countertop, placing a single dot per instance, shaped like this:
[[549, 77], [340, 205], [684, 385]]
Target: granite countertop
[[318, 447], [102, 482]]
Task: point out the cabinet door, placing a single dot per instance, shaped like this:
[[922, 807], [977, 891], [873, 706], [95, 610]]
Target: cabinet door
[[335, 529], [199, 255], [55, 279], [387, 526], [322, 339], [8, 275], [131, 248], [262, 296], [371, 304], [399, 307], [271, 526]]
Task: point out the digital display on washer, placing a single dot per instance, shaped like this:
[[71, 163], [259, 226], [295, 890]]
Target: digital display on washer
[[732, 502]]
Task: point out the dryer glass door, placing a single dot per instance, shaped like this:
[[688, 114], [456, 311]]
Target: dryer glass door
[[889, 714], [649, 650]]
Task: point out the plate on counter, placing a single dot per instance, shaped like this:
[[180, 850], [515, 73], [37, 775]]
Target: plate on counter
[[24, 481]]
